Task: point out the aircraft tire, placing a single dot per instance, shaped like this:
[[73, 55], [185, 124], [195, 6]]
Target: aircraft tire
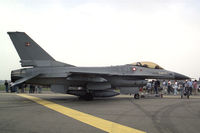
[[88, 97], [137, 96]]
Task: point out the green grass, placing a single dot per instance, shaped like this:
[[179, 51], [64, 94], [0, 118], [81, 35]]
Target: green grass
[[2, 87]]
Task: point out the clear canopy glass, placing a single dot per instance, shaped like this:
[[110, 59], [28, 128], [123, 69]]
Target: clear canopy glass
[[147, 64]]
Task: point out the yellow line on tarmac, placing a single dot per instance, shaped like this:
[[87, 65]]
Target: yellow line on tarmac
[[94, 121]]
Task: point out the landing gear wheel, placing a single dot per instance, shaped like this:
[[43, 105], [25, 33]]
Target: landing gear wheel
[[137, 96], [88, 97]]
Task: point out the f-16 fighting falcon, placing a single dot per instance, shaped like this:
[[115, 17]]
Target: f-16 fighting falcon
[[85, 82]]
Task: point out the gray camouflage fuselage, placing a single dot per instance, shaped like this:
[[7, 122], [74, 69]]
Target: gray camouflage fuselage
[[80, 81]]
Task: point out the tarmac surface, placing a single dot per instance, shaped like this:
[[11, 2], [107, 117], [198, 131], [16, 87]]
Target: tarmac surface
[[152, 115]]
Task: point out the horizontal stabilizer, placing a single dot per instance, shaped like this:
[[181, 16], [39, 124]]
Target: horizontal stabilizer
[[24, 79]]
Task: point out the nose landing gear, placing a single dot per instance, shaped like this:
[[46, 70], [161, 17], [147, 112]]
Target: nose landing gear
[[136, 96]]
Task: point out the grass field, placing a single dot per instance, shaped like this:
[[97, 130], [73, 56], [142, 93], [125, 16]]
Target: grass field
[[2, 87]]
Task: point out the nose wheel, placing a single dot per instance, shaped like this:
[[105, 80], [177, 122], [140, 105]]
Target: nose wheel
[[137, 96]]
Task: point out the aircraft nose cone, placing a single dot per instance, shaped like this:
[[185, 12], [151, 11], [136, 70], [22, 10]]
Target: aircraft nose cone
[[178, 76]]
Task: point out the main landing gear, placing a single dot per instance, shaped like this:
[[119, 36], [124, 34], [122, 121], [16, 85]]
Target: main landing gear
[[87, 96]]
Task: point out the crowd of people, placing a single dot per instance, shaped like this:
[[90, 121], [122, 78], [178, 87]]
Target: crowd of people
[[152, 87], [21, 88], [175, 87]]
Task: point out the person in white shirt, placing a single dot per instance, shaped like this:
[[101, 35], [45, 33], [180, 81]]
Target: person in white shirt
[[175, 88]]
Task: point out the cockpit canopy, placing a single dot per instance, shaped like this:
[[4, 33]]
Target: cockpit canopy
[[147, 64]]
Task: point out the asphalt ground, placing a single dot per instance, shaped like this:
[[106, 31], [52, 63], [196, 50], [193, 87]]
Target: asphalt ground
[[153, 115]]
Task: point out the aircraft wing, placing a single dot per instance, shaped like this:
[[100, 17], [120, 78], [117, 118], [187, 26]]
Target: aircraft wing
[[84, 76]]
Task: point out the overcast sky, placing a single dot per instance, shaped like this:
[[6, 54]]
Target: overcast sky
[[105, 32]]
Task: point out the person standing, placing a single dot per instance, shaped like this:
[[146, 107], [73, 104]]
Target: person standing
[[169, 87], [164, 84], [6, 86], [195, 87], [148, 86], [152, 87], [39, 89], [187, 88], [190, 86], [157, 84], [31, 90], [175, 88], [181, 86], [20, 86]]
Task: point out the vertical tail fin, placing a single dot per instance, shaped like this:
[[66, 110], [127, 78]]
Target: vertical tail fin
[[31, 53]]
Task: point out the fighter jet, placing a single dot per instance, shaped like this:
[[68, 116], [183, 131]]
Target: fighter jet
[[86, 82]]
